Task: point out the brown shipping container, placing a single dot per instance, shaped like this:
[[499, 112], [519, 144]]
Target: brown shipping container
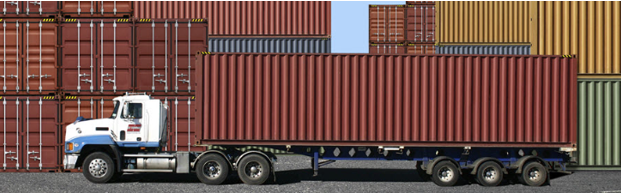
[[387, 23], [421, 24], [247, 18], [24, 9], [387, 49], [406, 100], [29, 56], [77, 9], [30, 134], [420, 2], [181, 119], [421, 49], [165, 50], [96, 56]]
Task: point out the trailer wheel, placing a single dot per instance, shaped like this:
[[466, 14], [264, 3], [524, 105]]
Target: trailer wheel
[[489, 174], [533, 174], [212, 169], [445, 173], [98, 167], [254, 169]]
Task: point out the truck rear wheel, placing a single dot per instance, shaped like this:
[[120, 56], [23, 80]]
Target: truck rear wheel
[[212, 169], [254, 169], [533, 174], [489, 174], [98, 167], [445, 173]]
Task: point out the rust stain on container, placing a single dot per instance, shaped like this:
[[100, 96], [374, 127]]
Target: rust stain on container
[[96, 56], [409, 100], [165, 52], [421, 24], [387, 23], [247, 18], [30, 133], [26, 9], [77, 9], [387, 49], [29, 56]]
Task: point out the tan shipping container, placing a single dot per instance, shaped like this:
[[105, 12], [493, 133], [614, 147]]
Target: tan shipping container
[[590, 30]]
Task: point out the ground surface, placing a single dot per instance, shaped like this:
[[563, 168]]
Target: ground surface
[[294, 175]]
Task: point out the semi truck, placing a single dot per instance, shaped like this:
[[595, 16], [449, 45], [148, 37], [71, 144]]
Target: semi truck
[[489, 117]]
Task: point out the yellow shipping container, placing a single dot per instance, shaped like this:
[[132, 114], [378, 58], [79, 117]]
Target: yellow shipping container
[[590, 30]]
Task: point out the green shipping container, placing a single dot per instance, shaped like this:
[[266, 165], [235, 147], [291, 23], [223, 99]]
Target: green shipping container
[[599, 125]]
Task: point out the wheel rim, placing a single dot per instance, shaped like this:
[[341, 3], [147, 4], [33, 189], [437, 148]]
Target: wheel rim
[[490, 174], [534, 174], [253, 170], [446, 174], [98, 168], [212, 169]]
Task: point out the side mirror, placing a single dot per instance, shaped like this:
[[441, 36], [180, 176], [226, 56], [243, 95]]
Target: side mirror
[[125, 110]]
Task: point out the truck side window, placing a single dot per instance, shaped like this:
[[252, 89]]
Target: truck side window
[[134, 110]]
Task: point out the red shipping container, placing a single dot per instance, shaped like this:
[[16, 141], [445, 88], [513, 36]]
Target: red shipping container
[[421, 23], [165, 50], [96, 56], [99, 9], [30, 134], [182, 133], [387, 23], [247, 18], [25, 9], [420, 2], [405, 100], [387, 49], [421, 49], [29, 56]]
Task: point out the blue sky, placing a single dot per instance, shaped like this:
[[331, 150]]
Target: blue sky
[[350, 25]]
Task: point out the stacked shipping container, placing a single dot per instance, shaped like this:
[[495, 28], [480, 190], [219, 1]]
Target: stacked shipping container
[[590, 30], [391, 27]]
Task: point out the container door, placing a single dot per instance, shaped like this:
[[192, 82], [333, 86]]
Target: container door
[[182, 127], [78, 56], [396, 22], [10, 133], [78, 8], [40, 8], [152, 64], [10, 8], [377, 24], [40, 57], [114, 8], [187, 39], [115, 43], [41, 133], [10, 57]]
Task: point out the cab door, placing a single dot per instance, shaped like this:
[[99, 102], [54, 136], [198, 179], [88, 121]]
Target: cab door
[[130, 125]]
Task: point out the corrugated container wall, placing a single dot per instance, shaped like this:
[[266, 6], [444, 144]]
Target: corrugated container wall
[[599, 124], [28, 56], [409, 100], [30, 134], [247, 18], [484, 21], [165, 50], [270, 45], [25, 9], [421, 24], [590, 30], [99, 9], [484, 49], [387, 23], [387, 49], [96, 56]]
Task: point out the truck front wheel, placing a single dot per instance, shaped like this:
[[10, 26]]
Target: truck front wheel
[[98, 167], [254, 169], [212, 169]]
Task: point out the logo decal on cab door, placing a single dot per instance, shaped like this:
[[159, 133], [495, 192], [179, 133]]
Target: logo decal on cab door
[[134, 128]]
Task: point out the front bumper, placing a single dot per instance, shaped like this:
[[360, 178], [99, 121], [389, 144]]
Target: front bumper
[[70, 160]]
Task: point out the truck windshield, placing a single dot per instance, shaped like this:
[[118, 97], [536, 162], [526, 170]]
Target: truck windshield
[[116, 108]]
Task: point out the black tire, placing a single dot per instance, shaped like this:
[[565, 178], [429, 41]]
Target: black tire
[[533, 174], [489, 174], [445, 173], [254, 169], [98, 167], [212, 169]]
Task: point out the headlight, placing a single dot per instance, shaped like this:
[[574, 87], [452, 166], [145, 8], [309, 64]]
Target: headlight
[[69, 147]]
